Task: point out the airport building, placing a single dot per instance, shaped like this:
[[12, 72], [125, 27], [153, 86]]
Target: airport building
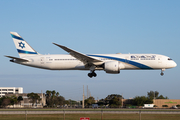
[[166, 103], [10, 90], [26, 103], [159, 103]]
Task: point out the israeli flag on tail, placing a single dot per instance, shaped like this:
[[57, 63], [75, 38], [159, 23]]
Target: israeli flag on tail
[[23, 48]]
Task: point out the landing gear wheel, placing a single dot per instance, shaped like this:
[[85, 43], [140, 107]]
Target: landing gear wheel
[[94, 74], [162, 70], [162, 74], [90, 75]]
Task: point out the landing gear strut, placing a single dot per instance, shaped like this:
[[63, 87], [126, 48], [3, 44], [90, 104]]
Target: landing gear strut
[[162, 70]]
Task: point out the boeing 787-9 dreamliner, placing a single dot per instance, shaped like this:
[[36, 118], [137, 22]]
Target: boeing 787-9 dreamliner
[[110, 63]]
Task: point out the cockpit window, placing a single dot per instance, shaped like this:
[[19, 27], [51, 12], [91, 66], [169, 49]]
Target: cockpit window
[[169, 59]]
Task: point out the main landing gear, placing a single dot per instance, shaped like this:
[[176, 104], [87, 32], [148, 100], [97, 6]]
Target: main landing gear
[[92, 74], [162, 70]]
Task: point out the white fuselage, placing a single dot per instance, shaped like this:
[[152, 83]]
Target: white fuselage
[[110, 63], [127, 61]]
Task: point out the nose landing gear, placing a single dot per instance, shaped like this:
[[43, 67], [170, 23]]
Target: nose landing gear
[[162, 70], [162, 74]]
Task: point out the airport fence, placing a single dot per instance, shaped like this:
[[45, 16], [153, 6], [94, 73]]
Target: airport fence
[[92, 115]]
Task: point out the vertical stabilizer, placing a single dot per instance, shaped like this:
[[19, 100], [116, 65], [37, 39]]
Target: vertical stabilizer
[[23, 48]]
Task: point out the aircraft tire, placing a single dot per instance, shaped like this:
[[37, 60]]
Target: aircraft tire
[[90, 75], [94, 74], [162, 74]]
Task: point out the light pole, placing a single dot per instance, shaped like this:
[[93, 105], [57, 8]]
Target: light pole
[[122, 100]]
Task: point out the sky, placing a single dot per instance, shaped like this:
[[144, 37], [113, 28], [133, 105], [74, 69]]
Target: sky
[[99, 27]]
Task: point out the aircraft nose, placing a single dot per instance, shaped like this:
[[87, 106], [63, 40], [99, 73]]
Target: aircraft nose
[[174, 64], [171, 64]]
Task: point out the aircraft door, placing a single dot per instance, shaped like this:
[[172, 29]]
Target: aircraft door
[[42, 60], [160, 63], [159, 60]]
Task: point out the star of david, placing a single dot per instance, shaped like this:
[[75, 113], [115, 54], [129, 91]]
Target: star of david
[[22, 45]]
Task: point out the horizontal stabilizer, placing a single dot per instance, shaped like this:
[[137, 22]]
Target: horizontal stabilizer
[[19, 59]]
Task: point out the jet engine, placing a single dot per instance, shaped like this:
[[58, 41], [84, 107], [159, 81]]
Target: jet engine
[[113, 67]]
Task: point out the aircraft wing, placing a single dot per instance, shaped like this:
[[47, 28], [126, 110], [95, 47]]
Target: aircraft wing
[[19, 59], [82, 57]]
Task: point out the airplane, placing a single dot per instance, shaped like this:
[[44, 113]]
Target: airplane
[[110, 63]]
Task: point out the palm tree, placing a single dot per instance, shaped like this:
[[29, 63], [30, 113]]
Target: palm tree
[[53, 96], [48, 97], [53, 93], [57, 94]]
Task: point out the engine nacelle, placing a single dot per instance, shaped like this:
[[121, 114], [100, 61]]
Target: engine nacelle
[[113, 67]]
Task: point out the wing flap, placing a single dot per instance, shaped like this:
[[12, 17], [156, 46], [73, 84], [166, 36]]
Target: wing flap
[[19, 59], [82, 57]]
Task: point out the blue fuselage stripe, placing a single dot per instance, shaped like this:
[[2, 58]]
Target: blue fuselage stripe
[[139, 65], [16, 37], [25, 52]]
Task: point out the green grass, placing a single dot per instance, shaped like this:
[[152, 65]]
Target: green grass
[[92, 117]]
